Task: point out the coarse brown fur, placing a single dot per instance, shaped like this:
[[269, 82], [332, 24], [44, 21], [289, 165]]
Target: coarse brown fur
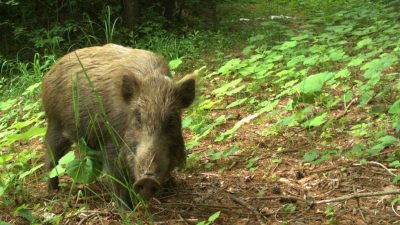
[[92, 89]]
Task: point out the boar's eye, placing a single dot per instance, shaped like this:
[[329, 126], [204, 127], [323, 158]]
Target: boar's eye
[[138, 118]]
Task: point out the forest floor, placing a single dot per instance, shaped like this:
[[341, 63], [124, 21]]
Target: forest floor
[[266, 181], [243, 196]]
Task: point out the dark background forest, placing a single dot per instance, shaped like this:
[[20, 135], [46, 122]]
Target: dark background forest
[[58, 26]]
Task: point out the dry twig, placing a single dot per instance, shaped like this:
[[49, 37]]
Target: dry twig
[[177, 221], [184, 220], [358, 195], [359, 207], [346, 108], [260, 218], [395, 211], [338, 199], [286, 197], [87, 217], [383, 166]]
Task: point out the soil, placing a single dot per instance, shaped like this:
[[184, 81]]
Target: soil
[[279, 188]]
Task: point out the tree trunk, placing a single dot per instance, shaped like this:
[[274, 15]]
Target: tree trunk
[[131, 10]]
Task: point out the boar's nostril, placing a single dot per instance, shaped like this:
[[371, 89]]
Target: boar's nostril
[[147, 187], [154, 189], [139, 188]]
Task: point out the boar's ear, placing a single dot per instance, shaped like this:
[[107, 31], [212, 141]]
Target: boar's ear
[[129, 86], [186, 89]]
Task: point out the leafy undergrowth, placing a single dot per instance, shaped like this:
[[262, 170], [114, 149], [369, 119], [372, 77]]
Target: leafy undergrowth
[[291, 122]]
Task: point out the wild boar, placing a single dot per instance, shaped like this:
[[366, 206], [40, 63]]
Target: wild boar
[[122, 102]]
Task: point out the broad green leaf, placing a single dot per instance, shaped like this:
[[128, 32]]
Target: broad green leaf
[[251, 163], [5, 158], [317, 48], [174, 64], [288, 44], [396, 180], [248, 49], [395, 164], [5, 183], [236, 102], [257, 37], [314, 83], [24, 212], [377, 65], [311, 60], [356, 151], [388, 140], [186, 122], [348, 96], [22, 124], [204, 131], [224, 88], [231, 150], [356, 61], [293, 120], [289, 208], [216, 156], [267, 106], [267, 66], [31, 88], [67, 158], [363, 42], [273, 57], [340, 29], [32, 132], [310, 156], [229, 66], [214, 217], [59, 170], [248, 70], [337, 55], [342, 73], [295, 60], [289, 121], [235, 91], [395, 108], [208, 104], [7, 104], [300, 37], [316, 121], [255, 58], [29, 172], [84, 170], [375, 150], [366, 97]]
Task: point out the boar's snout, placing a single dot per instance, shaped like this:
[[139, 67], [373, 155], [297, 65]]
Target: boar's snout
[[147, 187]]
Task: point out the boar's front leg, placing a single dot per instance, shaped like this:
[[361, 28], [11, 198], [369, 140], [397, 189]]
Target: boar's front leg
[[119, 177]]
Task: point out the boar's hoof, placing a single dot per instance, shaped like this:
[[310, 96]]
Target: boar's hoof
[[52, 185], [147, 187]]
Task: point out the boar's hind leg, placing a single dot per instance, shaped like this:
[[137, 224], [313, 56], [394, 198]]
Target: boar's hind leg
[[57, 145]]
